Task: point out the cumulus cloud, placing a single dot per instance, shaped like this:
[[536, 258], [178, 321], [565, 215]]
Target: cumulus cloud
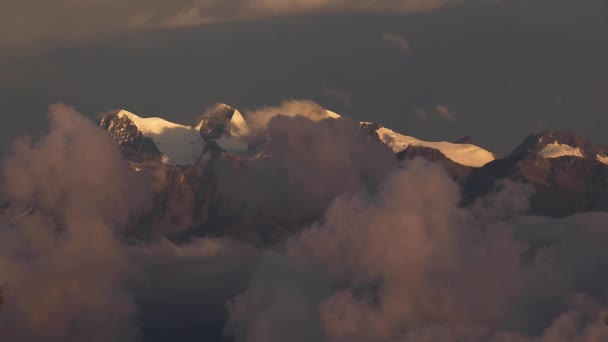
[[394, 257], [308, 164], [408, 264], [259, 118], [396, 41], [67, 273], [439, 111], [62, 265]]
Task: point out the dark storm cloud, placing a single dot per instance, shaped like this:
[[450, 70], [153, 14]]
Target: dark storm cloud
[[409, 265]]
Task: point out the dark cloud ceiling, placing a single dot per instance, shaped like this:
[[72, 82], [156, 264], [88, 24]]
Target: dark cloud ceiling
[[500, 71]]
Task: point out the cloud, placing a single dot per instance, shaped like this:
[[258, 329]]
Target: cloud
[[338, 94], [209, 11], [394, 257], [66, 271], [31, 24], [438, 112], [308, 163], [259, 118], [63, 268], [397, 42], [408, 264]]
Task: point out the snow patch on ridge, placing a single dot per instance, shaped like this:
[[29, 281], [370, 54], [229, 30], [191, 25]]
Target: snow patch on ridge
[[555, 150], [238, 126], [464, 154], [602, 159], [234, 142], [332, 115]]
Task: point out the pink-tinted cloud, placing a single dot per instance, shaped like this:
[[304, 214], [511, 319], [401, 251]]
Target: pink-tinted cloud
[[408, 264], [62, 266]]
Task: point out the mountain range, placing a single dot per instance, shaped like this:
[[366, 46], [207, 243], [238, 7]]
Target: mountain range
[[568, 173]]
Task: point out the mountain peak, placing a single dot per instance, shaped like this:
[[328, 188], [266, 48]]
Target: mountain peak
[[463, 154], [557, 143]]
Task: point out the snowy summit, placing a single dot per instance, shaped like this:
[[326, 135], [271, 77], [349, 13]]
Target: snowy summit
[[464, 154], [179, 144], [228, 129]]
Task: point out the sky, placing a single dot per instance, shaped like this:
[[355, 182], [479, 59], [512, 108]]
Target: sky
[[392, 256], [434, 69]]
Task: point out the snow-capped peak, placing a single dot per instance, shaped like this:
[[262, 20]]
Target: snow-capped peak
[[238, 126], [228, 129], [178, 144], [464, 154], [223, 113]]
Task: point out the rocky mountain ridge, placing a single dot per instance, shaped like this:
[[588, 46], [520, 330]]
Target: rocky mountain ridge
[[568, 173]]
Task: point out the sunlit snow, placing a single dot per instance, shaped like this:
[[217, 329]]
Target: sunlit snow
[[465, 154], [179, 144], [602, 158], [555, 150]]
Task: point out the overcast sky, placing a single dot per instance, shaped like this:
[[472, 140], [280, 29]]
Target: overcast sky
[[435, 69]]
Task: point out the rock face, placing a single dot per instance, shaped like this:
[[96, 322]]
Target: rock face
[[135, 146], [216, 123]]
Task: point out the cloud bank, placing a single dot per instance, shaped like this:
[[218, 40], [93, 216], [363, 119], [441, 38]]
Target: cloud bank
[[307, 164], [394, 257], [62, 265], [66, 271], [408, 264]]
